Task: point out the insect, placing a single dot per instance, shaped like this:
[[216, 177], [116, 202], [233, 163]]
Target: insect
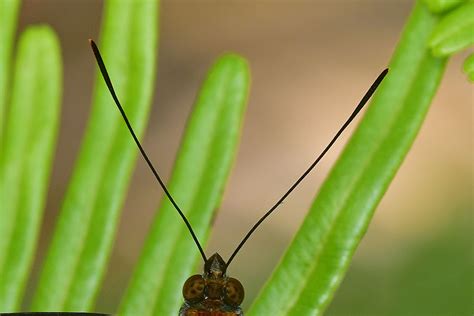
[[214, 293]]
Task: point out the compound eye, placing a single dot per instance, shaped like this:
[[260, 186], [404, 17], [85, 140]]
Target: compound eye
[[193, 289], [234, 292]]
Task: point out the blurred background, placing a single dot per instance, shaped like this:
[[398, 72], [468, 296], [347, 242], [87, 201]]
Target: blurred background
[[311, 61]]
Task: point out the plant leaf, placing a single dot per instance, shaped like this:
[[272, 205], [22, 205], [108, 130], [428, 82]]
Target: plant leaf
[[318, 257], [82, 241], [31, 128], [469, 67], [440, 6], [8, 18], [197, 184], [454, 32]]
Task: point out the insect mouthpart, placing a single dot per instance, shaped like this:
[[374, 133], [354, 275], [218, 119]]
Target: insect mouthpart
[[215, 266]]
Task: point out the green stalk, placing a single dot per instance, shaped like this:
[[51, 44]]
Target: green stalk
[[454, 32], [468, 67], [8, 18], [77, 258], [27, 156], [197, 184], [317, 259]]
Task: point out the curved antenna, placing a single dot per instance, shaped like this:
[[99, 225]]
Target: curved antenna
[[359, 107], [108, 82]]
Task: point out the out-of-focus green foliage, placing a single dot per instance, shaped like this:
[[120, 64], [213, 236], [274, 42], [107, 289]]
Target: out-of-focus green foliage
[[429, 278], [8, 18], [78, 255], [469, 67], [316, 262], [441, 6], [26, 156], [317, 259], [454, 32], [199, 175]]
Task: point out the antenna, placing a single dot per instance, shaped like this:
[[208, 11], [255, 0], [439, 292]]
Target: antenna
[[359, 107], [108, 82]]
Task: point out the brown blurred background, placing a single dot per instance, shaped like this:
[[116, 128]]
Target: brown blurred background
[[311, 61]]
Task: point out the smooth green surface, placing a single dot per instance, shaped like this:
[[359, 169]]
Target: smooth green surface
[[454, 32], [317, 259], [82, 241], [468, 67], [27, 154], [421, 279], [8, 18], [197, 184], [440, 6]]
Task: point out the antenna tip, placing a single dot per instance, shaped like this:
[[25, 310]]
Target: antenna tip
[[382, 76], [384, 72]]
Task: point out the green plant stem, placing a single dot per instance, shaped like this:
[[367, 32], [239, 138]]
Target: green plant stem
[[33, 120], [8, 18], [197, 184], [440, 6], [317, 259], [77, 258], [454, 32], [468, 67]]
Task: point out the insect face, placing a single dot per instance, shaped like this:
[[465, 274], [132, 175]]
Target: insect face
[[212, 293]]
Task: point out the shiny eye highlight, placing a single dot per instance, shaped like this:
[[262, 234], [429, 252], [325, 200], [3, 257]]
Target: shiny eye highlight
[[193, 289], [234, 292]]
